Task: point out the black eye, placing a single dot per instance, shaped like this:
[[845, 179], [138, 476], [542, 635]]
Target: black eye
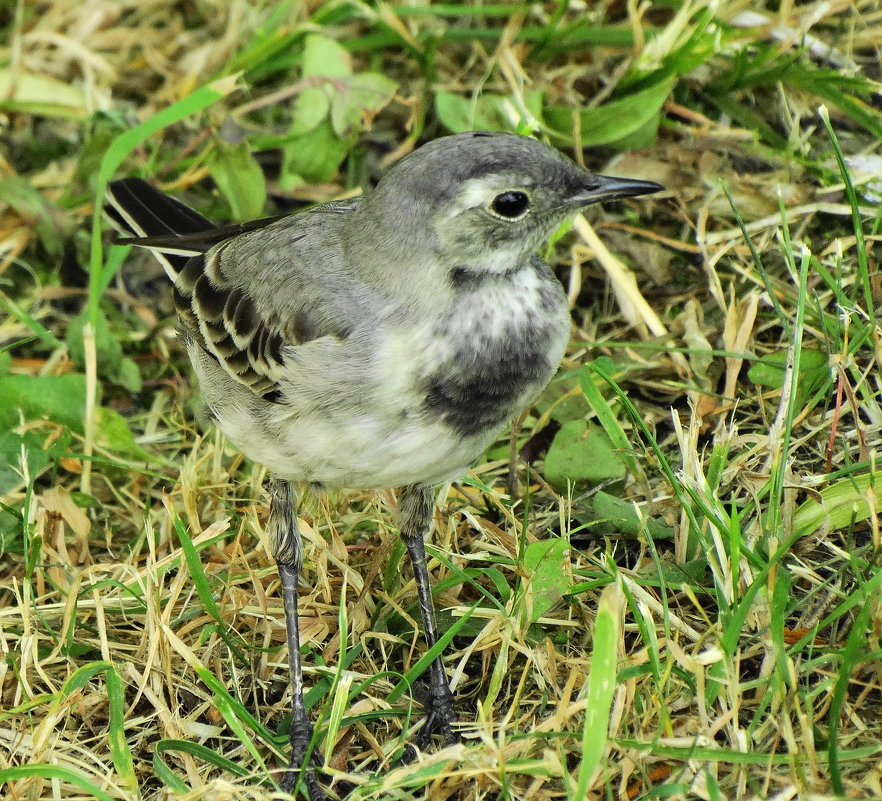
[[511, 204]]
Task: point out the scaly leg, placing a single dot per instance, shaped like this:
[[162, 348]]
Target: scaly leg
[[414, 523], [285, 543]]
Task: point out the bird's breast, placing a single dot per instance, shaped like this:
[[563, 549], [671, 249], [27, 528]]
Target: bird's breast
[[501, 342]]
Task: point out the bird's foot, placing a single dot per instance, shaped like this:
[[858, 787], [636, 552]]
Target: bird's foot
[[303, 761], [440, 718]]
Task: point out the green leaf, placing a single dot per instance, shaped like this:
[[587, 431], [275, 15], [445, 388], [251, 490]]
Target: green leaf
[[814, 370], [840, 505], [197, 571], [129, 375], [40, 95], [601, 685], [98, 137], [325, 56], [113, 433], [20, 455], [27, 201], [606, 416], [89, 784], [487, 112], [60, 398], [484, 113], [612, 121], [543, 562], [455, 111], [311, 107], [202, 752], [240, 180], [117, 742], [328, 114], [644, 137], [108, 351], [694, 573], [625, 519], [315, 156], [322, 58], [581, 452], [770, 371], [354, 98]]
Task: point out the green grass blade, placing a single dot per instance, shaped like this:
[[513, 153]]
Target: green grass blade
[[601, 686], [853, 654], [120, 752], [88, 784]]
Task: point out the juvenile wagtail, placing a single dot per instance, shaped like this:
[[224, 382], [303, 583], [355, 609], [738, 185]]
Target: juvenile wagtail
[[382, 341]]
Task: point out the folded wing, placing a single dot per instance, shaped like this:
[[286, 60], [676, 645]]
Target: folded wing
[[244, 299]]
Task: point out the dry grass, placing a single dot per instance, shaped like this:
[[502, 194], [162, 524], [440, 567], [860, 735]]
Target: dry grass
[[142, 629]]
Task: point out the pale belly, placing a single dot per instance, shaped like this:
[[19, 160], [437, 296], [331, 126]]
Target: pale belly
[[362, 453]]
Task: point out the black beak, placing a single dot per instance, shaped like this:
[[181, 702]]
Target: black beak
[[600, 188]]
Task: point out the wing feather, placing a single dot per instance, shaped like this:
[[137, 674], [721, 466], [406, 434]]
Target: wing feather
[[220, 300]]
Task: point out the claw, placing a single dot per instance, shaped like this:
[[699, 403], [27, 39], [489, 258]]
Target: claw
[[301, 737], [440, 718], [316, 793]]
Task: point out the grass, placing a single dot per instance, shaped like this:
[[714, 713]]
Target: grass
[[698, 619]]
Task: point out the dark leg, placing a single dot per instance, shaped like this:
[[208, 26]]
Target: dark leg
[[285, 543], [414, 523]]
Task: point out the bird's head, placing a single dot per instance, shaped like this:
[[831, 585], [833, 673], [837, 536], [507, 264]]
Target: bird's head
[[489, 200]]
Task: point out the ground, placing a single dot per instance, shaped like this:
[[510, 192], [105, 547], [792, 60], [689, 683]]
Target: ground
[[665, 581]]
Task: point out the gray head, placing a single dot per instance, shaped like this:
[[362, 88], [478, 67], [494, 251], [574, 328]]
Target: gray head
[[487, 200]]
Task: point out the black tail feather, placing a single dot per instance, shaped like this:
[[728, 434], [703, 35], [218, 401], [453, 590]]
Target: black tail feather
[[171, 230], [135, 207], [148, 212]]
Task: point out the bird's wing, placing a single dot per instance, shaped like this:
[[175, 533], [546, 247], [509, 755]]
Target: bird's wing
[[247, 294]]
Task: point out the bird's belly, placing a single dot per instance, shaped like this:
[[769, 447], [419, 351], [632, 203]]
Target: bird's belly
[[363, 451]]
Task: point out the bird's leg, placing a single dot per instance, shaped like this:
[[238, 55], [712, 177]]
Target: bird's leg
[[285, 544], [414, 523]]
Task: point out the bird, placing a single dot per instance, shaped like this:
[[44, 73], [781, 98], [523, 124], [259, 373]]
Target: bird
[[381, 341]]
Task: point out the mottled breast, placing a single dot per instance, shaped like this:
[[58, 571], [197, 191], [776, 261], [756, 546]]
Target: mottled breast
[[507, 335]]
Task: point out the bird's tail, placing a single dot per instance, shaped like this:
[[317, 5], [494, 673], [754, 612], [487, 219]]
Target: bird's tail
[[171, 230], [152, 219]]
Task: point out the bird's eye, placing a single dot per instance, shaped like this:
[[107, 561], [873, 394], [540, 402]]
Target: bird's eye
[[511, 205]]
